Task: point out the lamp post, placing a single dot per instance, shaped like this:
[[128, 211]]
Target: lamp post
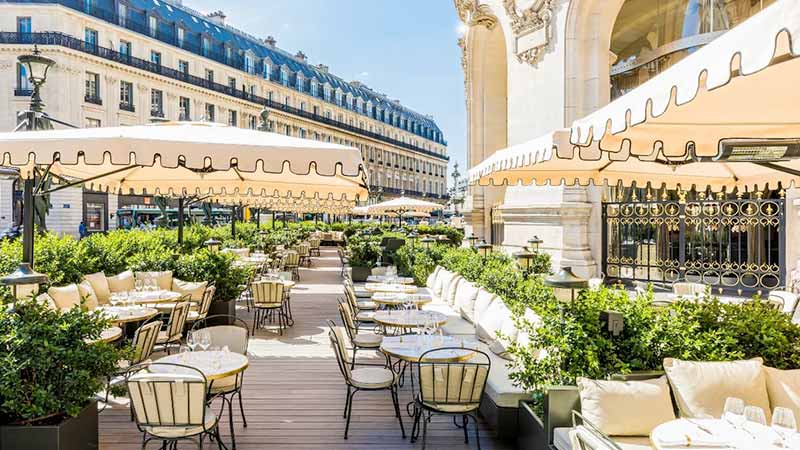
[[37, 67], [524, 259], [213, 245], [263, 235], [427, 242], [534, 243], [472, 239], [566, 279], [24, 281], [484, 249]]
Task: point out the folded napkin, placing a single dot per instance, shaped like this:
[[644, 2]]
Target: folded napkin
[[690, 440]]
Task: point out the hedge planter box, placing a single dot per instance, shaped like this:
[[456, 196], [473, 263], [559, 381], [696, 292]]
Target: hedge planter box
[[532, 435], [75, 433], [360, 273], [226, 307]]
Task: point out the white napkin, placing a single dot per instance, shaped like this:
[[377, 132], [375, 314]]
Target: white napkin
[[693, 440]]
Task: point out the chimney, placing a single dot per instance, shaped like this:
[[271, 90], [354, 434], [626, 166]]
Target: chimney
[[301, 56], [217, 17], [270, 41], [323, 68]]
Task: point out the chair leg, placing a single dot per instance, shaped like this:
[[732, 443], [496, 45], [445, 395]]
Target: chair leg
[[424, 430], [346, 403], [477, 431], [396, 402], [349, 413], [230, 419], [415, 426], [464, 422], [241, 408]]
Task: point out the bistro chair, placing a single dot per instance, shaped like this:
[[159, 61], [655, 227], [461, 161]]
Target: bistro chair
[[268, 302], [450, 388], [362, 317], [304, 250], [144, 340], [368, 341], [169, 405], [362, 379], [291, 263], [235, 336], [173, 334], [587, 436], [314, 244], [201, 311]]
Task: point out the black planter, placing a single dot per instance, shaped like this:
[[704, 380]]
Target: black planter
[[75, 433], [225, 307], [532, 435], [360, 273]]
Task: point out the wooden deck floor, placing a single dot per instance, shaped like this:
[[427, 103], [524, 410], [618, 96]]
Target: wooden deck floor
[[294, 393]]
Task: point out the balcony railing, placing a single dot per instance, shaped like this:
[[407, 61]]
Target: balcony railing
[[191, 42], [125, 106], [93, 99], [65, 40], [409, 193], [23, 92]]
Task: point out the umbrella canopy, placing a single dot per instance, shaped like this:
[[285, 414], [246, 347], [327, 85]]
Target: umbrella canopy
[[290, 204], [190, 158], [722, 117], [360, 211], [402, 205]]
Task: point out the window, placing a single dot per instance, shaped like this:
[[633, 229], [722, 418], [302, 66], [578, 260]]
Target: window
[[125, 48], [183, 67], [92, 91], [92, 123], [302, 133], [228, 54], [251, 122], [316, 110], [185, 108], [155, 57], [95, 215], [90, 36], [181, 36], [206, 50], [338, 97], [232, 83], [248, 63], [284, 77], [156, 103], [232, 118], [24, 25], [24, 86], [152, 25], [299, 83], [209, 112], [126, 96], [252, 89], [209, 75], [314, 88], [302, 106], [88, 6], [122, 14], [286, 100], [288, 130], [267, 70], [327, 93]]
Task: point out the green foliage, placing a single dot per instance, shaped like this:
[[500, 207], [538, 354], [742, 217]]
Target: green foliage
[[364, 250], [214, 267], [48, 369]]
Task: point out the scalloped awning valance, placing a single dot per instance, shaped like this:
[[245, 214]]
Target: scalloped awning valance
[[402, 205], [680, 127], [190, 158]]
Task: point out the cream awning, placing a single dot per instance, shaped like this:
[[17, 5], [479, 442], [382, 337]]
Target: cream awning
[[190, 158], [686, 126], [402, 205]]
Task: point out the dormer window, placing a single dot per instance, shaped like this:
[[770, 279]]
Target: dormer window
[[338, 97], [181, 36], [206, 46], [284, 76], [314, 88], [249, 67], [228, 54], [327, 93], [152, 27], [267, 70], [299, 83]]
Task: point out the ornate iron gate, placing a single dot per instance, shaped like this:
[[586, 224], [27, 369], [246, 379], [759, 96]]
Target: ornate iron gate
[[732, 242]]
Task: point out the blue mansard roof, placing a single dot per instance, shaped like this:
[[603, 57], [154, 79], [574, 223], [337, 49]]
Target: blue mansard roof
[[196, 25]]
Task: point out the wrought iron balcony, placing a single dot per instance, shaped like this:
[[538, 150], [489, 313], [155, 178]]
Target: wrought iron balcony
[[23, 92], [125, 106], [93, 99], [157, 112]]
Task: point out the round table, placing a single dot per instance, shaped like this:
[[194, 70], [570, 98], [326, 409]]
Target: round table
[[390, 299], [108, 335], [128, 314], [716, 434], [214, 364], [146, 297], [385, 287], [389, 279], [411, 347], [408, 319]]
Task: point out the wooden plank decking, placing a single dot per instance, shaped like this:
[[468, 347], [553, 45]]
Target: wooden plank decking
[[294, 394]]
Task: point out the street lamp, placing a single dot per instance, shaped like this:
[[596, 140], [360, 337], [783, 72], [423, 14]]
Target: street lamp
[[443, 239], [484, 249], [566, 279], [427, 242], [412, 237], [524, 259], [213, 245], [472, 239], [534, 243], [37, 67], [24, 281], [262, 234]]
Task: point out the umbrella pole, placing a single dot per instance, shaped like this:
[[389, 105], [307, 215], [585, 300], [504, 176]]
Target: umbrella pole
[[258, 218], [273, 219], [180, 220], [233, 221], [283, 215], [27, 222]]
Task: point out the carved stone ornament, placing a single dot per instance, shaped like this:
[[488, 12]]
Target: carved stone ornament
[[531, 28], [472, 13]]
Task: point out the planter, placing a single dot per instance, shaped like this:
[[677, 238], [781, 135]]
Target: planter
[[360, 273], [76, 433], [532, 434], [226, 307]]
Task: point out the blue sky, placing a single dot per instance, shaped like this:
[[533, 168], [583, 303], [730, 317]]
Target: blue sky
[[406, 49]]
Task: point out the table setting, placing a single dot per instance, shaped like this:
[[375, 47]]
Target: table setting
[[389, 279], [121, 314], [391, 299], [741, 427], [409, 318], [390, 287]]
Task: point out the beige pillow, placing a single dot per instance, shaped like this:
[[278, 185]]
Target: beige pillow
[[163, 279], [465, 300], [507, 335], [701, 387], [431, 281], [783, 388], [444, 278], [491, 322], [65, 297], [482, 302], [99, 286], [88, 295], [123, 282], [626, 408], [47, 300], [449, 293], [195, 288]]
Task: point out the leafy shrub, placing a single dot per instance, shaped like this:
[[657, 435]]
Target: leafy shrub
[[214, 267], [364, 250], [49, 371]]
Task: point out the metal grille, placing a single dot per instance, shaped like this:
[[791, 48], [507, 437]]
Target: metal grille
[[732, 242]]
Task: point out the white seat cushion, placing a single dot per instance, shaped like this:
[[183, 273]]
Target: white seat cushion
[[193, 288], [783, 387], [372, 377], [491, 322], [789, 300], [366, 316], [431, 281], [442, 281], [99, 286], [449, 292], [499, 386], [367, 305], [507, 335], [123, 282], [87, 293], [465, 299], [368, 340], [482, 302], [176, 432], [561, 440], [626, 408], [65, 297], [163, 278], [701, 387]]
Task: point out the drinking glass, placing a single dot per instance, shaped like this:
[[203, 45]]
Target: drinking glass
[[205, 340], [733, 411], [114, 300], [784, 423], [755, 414], [192, 340], [138, 284]]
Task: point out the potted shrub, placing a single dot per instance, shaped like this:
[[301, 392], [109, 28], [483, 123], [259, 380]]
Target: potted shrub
[[50, 376], [364, 253], [217, 268]]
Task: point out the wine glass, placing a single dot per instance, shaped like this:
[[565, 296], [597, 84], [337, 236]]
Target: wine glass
[[755, 414], [138, 284], [114, 300], [205, 340], [784, 423], [733, 412], [192, 340]]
